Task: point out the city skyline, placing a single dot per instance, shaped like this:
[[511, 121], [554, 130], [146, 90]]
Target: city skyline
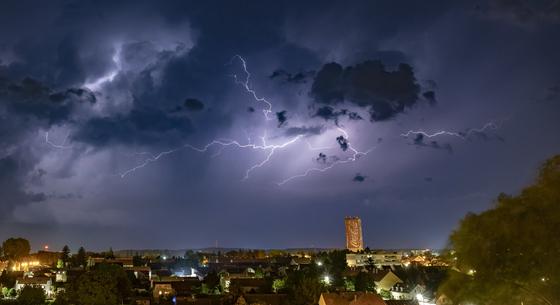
[[263, 124]]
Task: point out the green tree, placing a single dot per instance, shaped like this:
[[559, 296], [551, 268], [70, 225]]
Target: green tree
[[349, 285], [192, 258], [212, 282], [364, 282], [61, 298], [385, 294], [65, 255], [81, 258], [336, 265], [370, 264], [509, 254], [8, 292], [109, 254], [304, 287], [31, 296], [7, 279], [278, 285], [105, 285], [138, 261], [16, 248]]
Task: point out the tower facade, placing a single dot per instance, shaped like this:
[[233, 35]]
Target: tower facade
[[354, 239]]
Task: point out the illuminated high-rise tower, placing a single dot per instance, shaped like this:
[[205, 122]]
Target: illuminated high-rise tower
[[354, 239]]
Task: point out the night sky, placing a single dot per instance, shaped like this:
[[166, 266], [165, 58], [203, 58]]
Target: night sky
[[136, 124]]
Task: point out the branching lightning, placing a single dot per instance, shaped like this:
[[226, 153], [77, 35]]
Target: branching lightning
[[268, 109], [356, 154], [222, 144], [270, 149], [462, 135]]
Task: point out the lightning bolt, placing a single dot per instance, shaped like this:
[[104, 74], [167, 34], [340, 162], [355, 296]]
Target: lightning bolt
[[270, 148], [245, 84], [57, 146], [356, 154], [222, 144], [461, 135]]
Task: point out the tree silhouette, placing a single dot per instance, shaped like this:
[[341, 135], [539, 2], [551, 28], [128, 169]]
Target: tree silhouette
[[16, 248], [31, 296], [509, 254]]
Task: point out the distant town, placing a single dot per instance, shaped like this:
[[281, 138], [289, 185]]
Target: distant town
[[354, 275]]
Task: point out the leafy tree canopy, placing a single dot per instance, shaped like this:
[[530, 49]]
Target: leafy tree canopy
[[105, 285], [509, 254], [31, 296], [304, 287], [16, 248]]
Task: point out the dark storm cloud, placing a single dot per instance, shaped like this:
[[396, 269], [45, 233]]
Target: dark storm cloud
[[138, 127], [281, 117], [297, 78], [30, 97], [304, 130], [520, 11], [384, 93], [12, 185], [420, 141], [342, 142], [65, 45], [430, 96], [329, 113], [359, 178], [79, 94], [322, 158], [193, 104]]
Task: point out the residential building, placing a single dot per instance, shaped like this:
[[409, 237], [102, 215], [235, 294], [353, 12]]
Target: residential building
[[385, 280], [121, 261], [36, 281], [379, 259]]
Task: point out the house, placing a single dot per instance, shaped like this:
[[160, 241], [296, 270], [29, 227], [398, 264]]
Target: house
[[385, 279], [351, 298], [37, 281], [140, 272], [162, 290], [181, 288], [61, 276], [121, 261], [403, 292], [378, 258]]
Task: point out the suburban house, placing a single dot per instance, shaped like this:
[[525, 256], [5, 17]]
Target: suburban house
[[39, 281], [385, 279]]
